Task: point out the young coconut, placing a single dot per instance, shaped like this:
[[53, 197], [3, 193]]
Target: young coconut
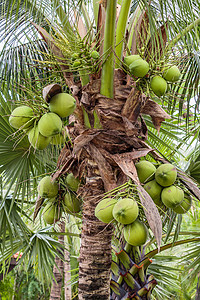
[[62, 104], [50, 124], [50, 213], [184, 206], [21, 116], [145, 170], [125, 211], [172, 74], [37, 140], [95, 54], [130, 59], [71, 203], [139, 68], [172, 196], [136, 233], [154, 190], [166, 175], [158, 86], [72, 182], [47, 188], [104, 210]]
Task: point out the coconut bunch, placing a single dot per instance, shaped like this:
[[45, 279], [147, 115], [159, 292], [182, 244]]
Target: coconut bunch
[[48, 189], [160, 184], [140, 68], [84, 58], [123, 211], [60, 197], [46, 128]]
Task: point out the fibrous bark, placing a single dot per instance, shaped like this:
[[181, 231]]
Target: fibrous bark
[[95, 253]]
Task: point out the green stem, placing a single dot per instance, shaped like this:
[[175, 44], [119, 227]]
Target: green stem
[[121, 30], [107, 76], [184, 32], [85, 79], [96, 10]]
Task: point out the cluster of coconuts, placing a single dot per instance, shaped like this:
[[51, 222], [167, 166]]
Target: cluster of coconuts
[[50, 189], [159, 184], [79, 59], [49, 127], [124, 211], [138, 67]]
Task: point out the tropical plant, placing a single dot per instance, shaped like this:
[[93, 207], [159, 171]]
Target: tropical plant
[[86, 53]]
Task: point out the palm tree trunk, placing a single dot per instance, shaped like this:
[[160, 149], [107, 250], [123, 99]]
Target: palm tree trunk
[[58, 271], [95, 252]]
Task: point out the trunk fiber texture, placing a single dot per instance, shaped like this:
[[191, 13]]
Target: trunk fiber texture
[[95, 254]]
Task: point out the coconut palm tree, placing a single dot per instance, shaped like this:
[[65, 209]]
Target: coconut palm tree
[[82, 47]]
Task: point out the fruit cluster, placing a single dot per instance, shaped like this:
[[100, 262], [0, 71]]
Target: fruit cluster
[[159, 184], [84, 59], [59, 198], [47, 128], [125, 211], [138, 67]]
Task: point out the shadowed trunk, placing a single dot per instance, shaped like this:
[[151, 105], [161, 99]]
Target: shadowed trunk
[[58, 270]]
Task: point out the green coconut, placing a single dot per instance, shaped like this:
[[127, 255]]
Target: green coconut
[[95, 54], [130, 59], [21, 116], [166, 174], [50, 213], [145, 170], [104, 209], [136, 233], [50, 124], [75, 56], [62, 104], [125, 211], [139, 68], [172, 196], [76, 63], [71, 203], [172, 74], [47, 188], [184, 206], [154, 190], [72, 182], [158, 86], [37, 140]]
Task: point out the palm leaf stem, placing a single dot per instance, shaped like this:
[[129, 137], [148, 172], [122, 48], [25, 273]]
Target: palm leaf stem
[[121, 29], [107, 76], [95, 10]]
